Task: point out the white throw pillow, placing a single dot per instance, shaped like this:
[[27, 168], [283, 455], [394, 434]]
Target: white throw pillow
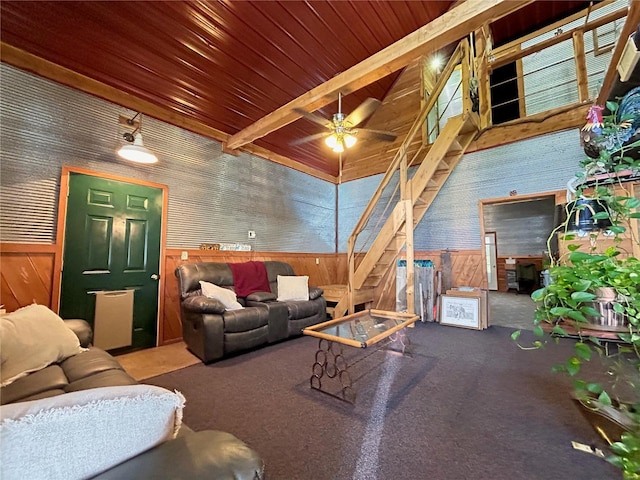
[[31, 338], [81, 434], [293, 288], [224, 295]]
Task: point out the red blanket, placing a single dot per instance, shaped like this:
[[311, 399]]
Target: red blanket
[[249, 277]]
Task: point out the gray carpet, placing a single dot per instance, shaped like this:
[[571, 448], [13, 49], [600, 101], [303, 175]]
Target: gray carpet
[[468, 405]]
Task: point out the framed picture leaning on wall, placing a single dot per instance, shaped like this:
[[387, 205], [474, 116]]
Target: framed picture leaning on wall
[[460, 311]]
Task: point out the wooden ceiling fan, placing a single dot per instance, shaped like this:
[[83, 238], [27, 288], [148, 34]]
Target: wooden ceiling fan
[[342, 131]]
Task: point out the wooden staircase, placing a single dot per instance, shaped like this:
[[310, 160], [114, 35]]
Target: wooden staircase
[[416, 196]]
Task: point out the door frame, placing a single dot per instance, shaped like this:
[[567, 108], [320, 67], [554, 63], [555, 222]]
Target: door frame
[[61, 230], [495, 248], [558, 195]]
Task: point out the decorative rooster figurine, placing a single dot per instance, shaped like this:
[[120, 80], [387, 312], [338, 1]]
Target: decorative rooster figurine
[[594, 119]]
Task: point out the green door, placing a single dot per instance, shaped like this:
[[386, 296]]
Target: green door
[[112, 245]]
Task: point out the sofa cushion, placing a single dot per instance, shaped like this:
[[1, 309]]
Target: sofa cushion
[[31, 338], [244, 320], [49, 378], [81, 434], [89, 363], [224, 295], [107, 378], [293, 288], [302, 309]]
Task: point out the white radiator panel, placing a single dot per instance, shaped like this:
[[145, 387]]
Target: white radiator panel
[[113, 321]]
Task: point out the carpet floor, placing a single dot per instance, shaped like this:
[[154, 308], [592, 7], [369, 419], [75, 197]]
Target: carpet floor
[[467, 405]]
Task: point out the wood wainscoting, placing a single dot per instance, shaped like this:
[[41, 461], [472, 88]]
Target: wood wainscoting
[[27, 274], [466, 270], [323, 273]]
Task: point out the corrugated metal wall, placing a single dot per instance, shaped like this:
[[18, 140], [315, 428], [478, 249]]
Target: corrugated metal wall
[[536, 165], [550, 74], [521, 228], [213, 197]]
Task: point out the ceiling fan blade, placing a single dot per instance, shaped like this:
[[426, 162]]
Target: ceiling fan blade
[[367, 133], [309, 138], [364, 110], [314, 118]]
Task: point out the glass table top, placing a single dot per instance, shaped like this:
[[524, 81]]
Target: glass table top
[[362, 329]]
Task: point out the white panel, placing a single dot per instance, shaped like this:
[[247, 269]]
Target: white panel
[[113, 319]]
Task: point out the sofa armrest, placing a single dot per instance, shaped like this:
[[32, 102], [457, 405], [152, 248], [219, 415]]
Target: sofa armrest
[[261, 297], [315, 292], [82, 329], [193, 456], [202, 304]]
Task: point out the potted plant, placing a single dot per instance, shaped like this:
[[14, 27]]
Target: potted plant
[[592, 290]]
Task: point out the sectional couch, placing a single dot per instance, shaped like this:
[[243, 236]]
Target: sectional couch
[[82, 416], [212, 331]]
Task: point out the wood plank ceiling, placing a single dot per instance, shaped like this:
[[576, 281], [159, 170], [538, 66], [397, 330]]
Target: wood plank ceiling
[[227, 64]]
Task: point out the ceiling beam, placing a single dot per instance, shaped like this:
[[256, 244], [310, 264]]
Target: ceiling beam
[[444, 30]]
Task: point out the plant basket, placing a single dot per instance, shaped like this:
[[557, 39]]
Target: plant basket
[[609, 320], [609, 421]]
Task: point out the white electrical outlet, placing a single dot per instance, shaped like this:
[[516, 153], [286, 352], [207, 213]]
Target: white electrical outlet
[[317, 261], [251, 234]]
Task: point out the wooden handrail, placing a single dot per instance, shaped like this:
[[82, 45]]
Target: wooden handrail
[[513, 55], [460, 54], [415, 128]]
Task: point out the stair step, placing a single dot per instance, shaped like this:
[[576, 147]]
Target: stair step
[[455, 146], [380, 270]]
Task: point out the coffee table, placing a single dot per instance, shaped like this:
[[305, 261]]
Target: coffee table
[[366, 329]]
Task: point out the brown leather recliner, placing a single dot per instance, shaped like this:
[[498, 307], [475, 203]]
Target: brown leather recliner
[[191, 455], [211, 332]]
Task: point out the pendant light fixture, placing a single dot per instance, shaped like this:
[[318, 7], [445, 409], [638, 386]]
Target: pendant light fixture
[[135, 151]]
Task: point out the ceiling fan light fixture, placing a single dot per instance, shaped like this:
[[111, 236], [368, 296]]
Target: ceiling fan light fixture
[[137, 152], [350, 140], [331, 141]]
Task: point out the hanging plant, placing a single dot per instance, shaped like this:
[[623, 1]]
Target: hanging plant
[[587, 285]]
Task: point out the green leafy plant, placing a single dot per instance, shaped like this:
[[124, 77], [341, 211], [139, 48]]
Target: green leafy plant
[[573, 292]]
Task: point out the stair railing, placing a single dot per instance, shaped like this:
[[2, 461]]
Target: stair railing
[[460, 56]]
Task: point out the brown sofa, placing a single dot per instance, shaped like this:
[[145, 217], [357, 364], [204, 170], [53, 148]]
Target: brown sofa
[[191, 455], [211, 332]]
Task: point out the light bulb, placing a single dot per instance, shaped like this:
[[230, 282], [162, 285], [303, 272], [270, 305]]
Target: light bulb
[[331, 141], [350, 140], [338, 147]]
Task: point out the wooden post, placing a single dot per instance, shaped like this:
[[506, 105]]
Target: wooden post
[[581, 66], [351, 259], [408, 227], [403, 178], [482, 74], [466, 76], [522, 104]]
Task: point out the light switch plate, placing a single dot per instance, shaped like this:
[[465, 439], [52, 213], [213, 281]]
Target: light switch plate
[[184, 256], [251, 234]]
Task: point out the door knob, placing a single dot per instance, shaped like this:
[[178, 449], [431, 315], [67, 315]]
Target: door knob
[[155, 276]]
